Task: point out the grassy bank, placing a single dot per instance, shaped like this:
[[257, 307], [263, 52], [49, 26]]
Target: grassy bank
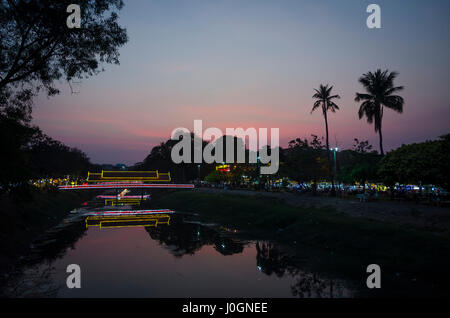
[[24, 220], [334, 241]]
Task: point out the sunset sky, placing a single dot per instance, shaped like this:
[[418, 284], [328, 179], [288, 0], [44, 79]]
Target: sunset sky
[[255, 63]]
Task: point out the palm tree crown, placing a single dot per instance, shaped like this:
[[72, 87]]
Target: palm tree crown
[[380, 93], [324, 99]]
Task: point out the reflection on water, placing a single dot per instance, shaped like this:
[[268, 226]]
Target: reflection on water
[[109, 221], [183, 237], [180, 258], [271, 260]]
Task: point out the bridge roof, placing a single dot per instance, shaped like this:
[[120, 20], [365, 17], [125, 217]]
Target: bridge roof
[[129, 174], [117, 176]]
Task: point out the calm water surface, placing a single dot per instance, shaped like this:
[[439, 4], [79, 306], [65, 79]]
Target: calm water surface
[[182, 259]]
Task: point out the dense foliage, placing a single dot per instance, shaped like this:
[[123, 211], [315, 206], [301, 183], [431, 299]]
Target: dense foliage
[[29, 154], [419, 163], [306, 161], [37, 49]]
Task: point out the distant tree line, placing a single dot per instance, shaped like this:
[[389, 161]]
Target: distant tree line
[[27, 154], [306, 161], [419, 163]]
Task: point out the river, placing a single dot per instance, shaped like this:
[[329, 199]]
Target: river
[[185, 258]]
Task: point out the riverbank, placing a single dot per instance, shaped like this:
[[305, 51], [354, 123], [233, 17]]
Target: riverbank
[[413, 261], [25, 220], [419, 216]]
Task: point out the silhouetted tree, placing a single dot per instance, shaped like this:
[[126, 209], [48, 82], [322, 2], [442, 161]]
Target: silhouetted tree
[[426, 162], [160, 159], [361, 146], [324, 99], [359, 164], [50, 158], [380, 89], [14, 140], [306, 161], [37, 48]]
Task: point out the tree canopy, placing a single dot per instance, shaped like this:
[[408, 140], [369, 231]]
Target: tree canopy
[[380, 92], [37, 48], [426, 162]]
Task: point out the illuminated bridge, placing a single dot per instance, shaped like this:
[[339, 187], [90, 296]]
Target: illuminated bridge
[[127, 185], [127, 179]]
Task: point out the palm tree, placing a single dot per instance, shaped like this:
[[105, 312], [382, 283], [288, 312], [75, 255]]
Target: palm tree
[[380, 89], [324, 99]]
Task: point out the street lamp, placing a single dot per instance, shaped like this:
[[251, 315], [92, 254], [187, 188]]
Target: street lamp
[[334, 151], [259, 171]]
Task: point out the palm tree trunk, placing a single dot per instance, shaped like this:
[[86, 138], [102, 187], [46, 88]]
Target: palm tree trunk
[[328, 152], [326, 133], [379, 129], [381, 141]]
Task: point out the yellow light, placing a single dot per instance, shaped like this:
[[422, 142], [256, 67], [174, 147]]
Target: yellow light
[[151, 220]]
